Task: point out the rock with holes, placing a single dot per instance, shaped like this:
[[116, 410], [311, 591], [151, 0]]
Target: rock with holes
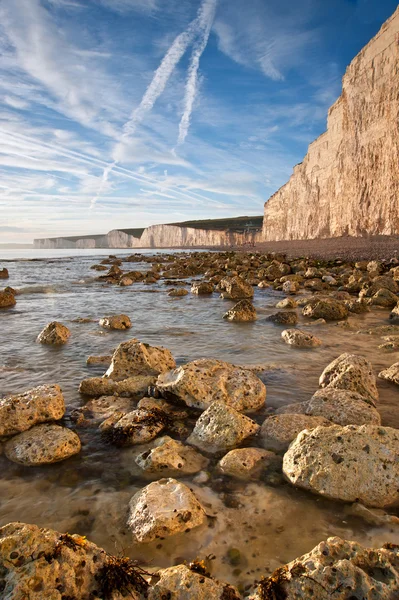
[[352, 463], [171, 458], [21, 411], [243, 311], [98, 409], [202, 288], [162, 509], [290, 287], [182, 583], [284, 318], [7, 299], [135, 358], [248, 463], [351, 372], [203, 381], [177, 292], [119, 322], [42, 445], [221, 428], [235, 288], [278, 431], [300, 339], [325, 308], [391, 374], [134, 386], [343, 407], [287, 303], [54, 333], [336, 569], [136, 427]]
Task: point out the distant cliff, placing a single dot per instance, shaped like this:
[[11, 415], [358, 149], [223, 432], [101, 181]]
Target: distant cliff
[[348, 183]]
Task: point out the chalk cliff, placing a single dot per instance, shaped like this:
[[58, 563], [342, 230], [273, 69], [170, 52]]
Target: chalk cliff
[[348, 183]]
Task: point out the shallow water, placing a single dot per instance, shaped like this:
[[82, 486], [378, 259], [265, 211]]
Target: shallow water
[[89, 494]]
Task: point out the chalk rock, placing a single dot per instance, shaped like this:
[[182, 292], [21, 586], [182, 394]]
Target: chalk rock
[[326, 308], [391, 374], [136, 427], [98, 409], [181, 583], [38, 405], [300, 339], [42, 445], [171, 458], [342, 407], [201, 382], [278, 431], [221, 428], [235, 288], [248, 463], [102, 386], [351, 372], [54, 333], [244, 310], [352, 463], [120, 322], [135, 358], [162, 509]]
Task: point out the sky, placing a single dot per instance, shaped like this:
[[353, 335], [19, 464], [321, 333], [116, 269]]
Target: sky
[[127, 113]]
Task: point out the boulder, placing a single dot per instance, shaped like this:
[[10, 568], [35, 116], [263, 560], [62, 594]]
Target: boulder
[[174, 412], [336, 569], [384, 298], [342, 407], [278, 431], [248, 463], [201, 382], [244, 310], [98, 409], [183, 583], [99, 360], [162, 509], [221, 428], [120, 322], [135, 358], [4, 273], [325, 308], [7, 299], [38, 405], [235, 288], [42, 445], [202, 288], [287, 303], [125, 281], [353, 463], [301, 339], [171, 458], [177, 292], [351, 372], [284, 318], [134, 386], [394, 315], [291, 287], [54, 333], [136, 427], [391, 374], [297, 408]]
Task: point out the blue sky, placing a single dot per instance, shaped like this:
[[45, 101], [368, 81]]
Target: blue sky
[[126, 113]]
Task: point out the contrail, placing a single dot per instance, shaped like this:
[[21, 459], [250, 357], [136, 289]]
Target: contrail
[[208, 14]]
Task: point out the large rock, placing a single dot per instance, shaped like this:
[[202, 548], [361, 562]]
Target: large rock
[[183, 583], [42, 445], [278, 431], [300, 339], [4, 273], [54, 333], [235, 288], [38, 405], [326, 308], [284, 318], [221, 428], [120, 322], [163, 508], [384, 298], [42, 564], [134, 386], [201, 382], [135, 358], [171, 458], [202, 288], [136, 427], [287, 303], [98, 409], [391, 374], [336, 569], [248, 463], [342, 407], [244, 310], [394, 315], [352, 463], [177, 292], [7, 299], [351, 372]]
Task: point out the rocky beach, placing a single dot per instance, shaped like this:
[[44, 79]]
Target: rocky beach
[[193, 425]]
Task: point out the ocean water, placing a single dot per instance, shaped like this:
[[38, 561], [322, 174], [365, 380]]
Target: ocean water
[[89, 494]]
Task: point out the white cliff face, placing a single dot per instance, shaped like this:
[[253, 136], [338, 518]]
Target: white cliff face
[[170, 236], [53, 243], [348, 182], [120, 239]]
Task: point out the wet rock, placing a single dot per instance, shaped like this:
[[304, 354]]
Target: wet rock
[[98, 409], [182, 583], [102, 386], [278, 431], [235, 288], [125, 281], [99, 360], [263, 285], [248, 463], [136, 427], [7, 299], [202, 288], [135, 358], [326, 308], [221, 428], [315, 322], [356, 305], [297, 408], [54, 333], [301, 339], [336, 569], [201, 382], [4, 273], [290, 287], [351, 372], [171, 458], [38, 405], [394, 315], [372, 516], [244, 310], [384, 298], [162, 509], [378, 284], [284, 318], [352, 463], [42, 445], [177, 292], [42, 564], [391, 374], [119, 322], [172, 411], [287, 303], [342, 407]]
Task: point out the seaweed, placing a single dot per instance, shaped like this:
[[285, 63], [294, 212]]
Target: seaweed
[[198, 566], [229, 593], [121, 574], [120, 436], [272, 588]]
